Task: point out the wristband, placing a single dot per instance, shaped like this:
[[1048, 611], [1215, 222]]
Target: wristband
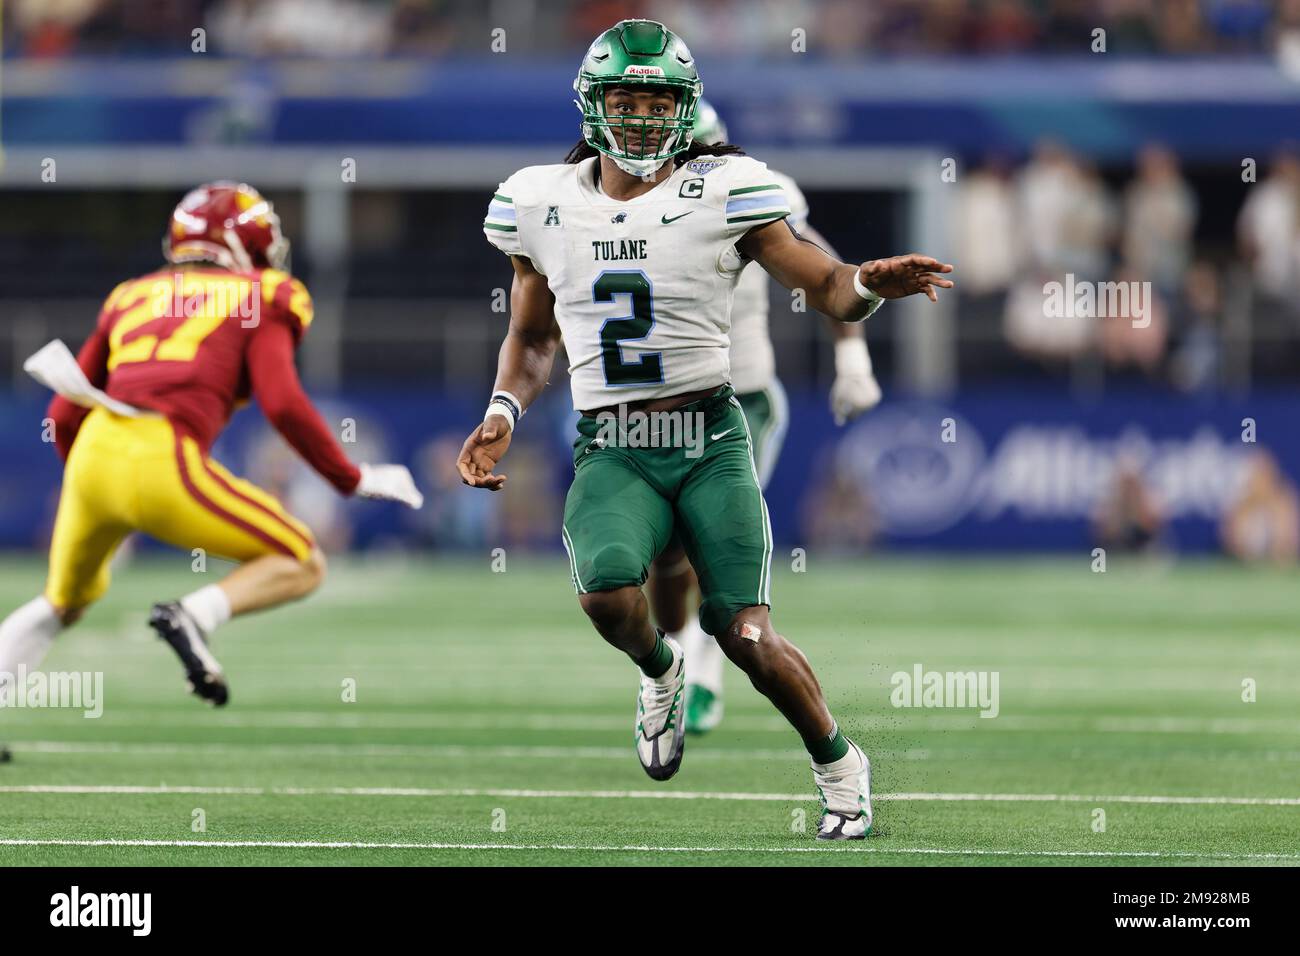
[[505, 404], [876, 300], [862, 290]]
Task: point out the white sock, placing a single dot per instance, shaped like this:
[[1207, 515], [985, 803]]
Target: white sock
[[703, 656], [708, 664], [209, 607], [688, 639], [26, 636]]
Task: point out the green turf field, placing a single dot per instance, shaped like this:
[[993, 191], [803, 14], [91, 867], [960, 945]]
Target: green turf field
[[492, 726]]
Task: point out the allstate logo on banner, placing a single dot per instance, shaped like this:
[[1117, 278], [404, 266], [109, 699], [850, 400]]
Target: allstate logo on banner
[[918, 482]]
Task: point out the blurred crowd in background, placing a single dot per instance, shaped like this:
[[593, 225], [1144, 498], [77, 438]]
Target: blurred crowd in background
[[739, 27], [1260, 525], [1055, 216], [1214, 234]]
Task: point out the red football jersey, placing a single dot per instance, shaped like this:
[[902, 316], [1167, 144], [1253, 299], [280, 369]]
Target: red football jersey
[[177, 340], [194, 343]]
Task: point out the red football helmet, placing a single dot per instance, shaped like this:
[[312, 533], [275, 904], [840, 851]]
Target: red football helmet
[[230, 224]]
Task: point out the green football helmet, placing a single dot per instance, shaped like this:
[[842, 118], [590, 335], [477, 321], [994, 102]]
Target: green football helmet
[[709, 128], [637, 53]]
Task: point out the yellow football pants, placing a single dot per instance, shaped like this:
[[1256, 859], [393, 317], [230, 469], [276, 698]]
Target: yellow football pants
[[139, 474]]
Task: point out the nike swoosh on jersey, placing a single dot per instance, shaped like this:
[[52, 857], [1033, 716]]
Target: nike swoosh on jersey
[[665, 220], [724, 434]]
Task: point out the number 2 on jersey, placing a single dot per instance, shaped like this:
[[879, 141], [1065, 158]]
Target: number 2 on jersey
[[649, 368]]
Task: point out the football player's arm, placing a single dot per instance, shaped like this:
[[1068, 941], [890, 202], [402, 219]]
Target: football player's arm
[[523, 368], [528, 352], [67, 417], [829, 284], [275, 384], [287, 407], [839, 330]]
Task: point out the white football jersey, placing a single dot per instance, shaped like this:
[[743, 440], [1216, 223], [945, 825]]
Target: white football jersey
[[643, 288], [753, 362]]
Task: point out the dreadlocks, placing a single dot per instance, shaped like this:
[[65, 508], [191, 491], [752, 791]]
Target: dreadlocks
[[582, 150]]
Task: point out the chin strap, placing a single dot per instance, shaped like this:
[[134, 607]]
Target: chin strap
[[640, 168]]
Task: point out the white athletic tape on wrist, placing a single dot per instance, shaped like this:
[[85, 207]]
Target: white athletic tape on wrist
[[863, 291], [504, 410], [507, 405]]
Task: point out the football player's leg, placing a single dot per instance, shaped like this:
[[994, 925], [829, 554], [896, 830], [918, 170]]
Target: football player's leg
[[615, 523], [202, 505], [781, 672], [194, 503], [672, 584], [766, 413], [79, 560], [723, 521], [675, 604], [86, 533], [91, 522]]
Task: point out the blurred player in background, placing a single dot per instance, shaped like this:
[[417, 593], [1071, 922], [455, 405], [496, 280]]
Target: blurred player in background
[[171, 356], [630, 252], [762, 399]]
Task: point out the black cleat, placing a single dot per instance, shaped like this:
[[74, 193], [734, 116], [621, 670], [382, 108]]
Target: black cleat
[[175, 626], [6, 754]]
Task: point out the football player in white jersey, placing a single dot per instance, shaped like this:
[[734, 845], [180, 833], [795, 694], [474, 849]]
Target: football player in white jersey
[[762, 399], [630, 253]]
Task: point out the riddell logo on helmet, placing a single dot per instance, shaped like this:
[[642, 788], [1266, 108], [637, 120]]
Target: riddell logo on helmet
[[644, 71]]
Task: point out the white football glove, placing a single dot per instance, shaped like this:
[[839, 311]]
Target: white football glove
[[855, 389], [389, 483]]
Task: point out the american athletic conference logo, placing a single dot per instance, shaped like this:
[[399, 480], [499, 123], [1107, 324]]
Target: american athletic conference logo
[[918, 483]]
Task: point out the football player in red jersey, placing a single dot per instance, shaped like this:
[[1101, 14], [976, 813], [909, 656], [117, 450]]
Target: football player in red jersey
[[171, 355]]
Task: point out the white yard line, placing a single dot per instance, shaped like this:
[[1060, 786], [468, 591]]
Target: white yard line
[[451, 751], [456, 751], [901, 721], [568, 847], [649, 794]]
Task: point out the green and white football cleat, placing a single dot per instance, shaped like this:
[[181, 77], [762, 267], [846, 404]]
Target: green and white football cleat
[[660, 736], [845, 788], [703, 709]]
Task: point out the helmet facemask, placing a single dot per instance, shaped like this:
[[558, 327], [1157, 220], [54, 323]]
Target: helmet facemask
[[638, 145], [277, 253]]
